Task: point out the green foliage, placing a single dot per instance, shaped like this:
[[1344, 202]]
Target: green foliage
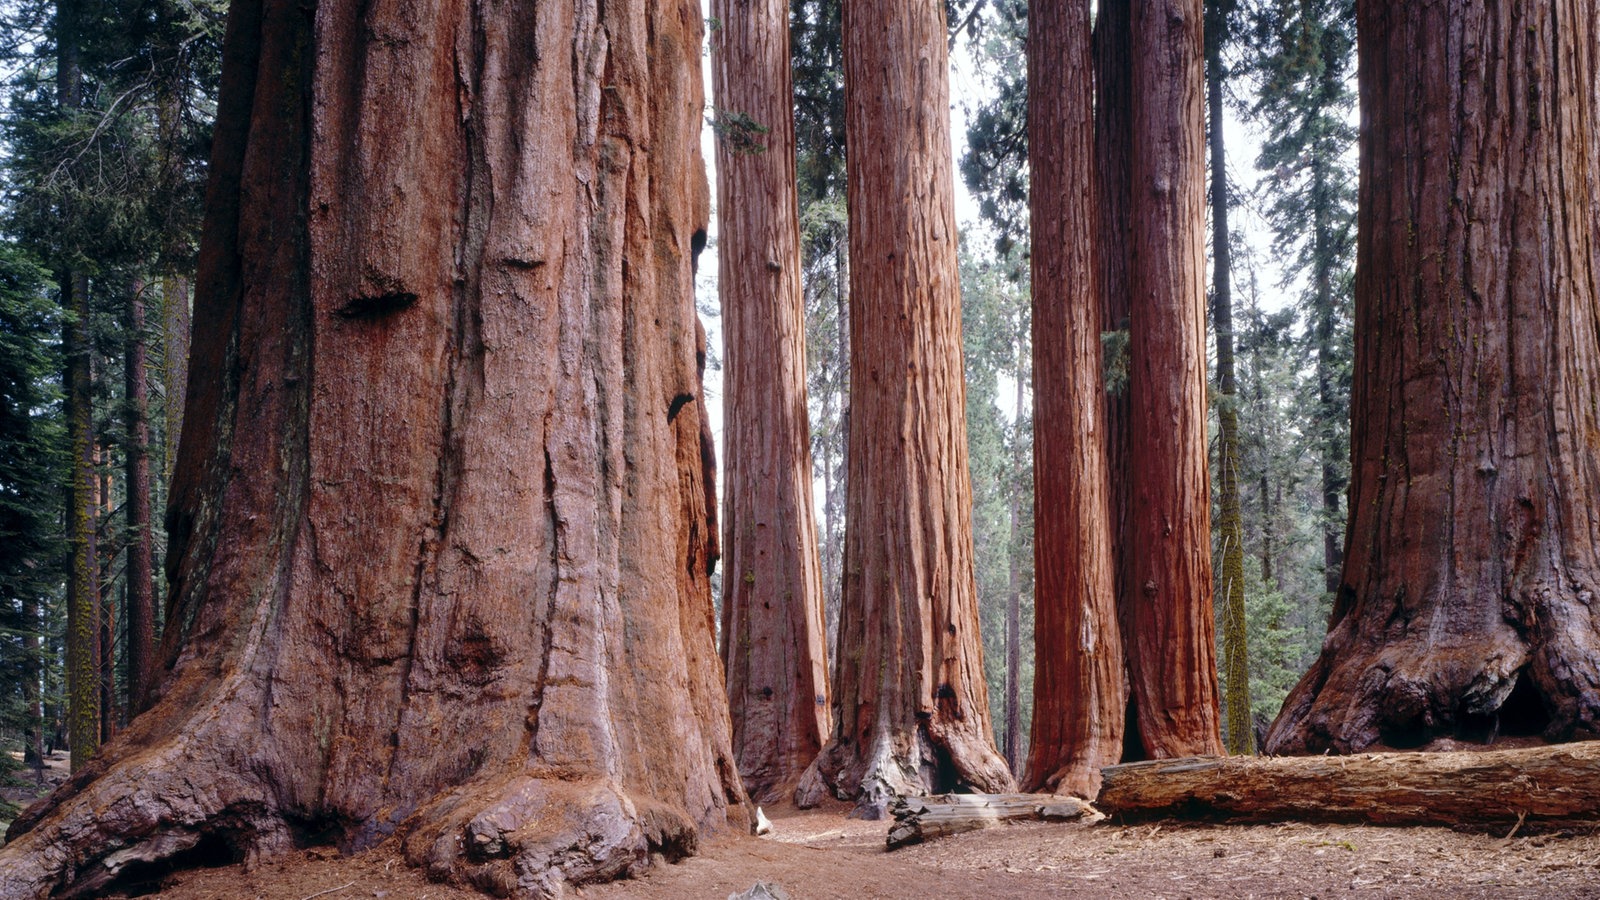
[[995, 165], [739, 132], [995, 320], [32, 464]]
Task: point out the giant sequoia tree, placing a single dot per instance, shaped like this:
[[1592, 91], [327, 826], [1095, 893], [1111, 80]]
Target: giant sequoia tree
[[1079, 681], [772, 627], [912, 705], [1172, 670], [1467, 602], [440, 529]]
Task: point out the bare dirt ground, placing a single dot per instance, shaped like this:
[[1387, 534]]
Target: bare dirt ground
[[819, 855]]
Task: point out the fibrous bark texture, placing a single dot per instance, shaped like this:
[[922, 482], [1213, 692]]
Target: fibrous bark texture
[[1467, 606], [1539, 785], [1113, 136], [911, 705], [1173, 675], [1079, 686], [772, 608], [141, 539], [441, 534]]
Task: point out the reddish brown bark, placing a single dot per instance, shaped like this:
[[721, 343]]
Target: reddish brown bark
[[1173, 677], [772, 621], [1113, 131], [912, 708], [140, 572], [441, 533], [1466, 606], [1078, 689]]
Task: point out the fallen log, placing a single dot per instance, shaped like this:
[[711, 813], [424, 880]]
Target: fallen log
[[918, 819], [1553, 785]]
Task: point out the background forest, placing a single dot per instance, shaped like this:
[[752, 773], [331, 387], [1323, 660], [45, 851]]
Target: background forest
[[107, 133]]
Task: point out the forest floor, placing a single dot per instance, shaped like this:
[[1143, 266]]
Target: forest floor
[[821, 854]]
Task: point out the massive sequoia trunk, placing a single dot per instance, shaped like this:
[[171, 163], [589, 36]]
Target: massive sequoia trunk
[[1173, 675], [1079, 688], [440, 525], [772, 627], [1467, 605], [912, 707]]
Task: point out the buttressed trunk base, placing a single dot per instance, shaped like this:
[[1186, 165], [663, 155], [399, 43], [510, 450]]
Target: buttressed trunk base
[[1467, 608], [441, 523]]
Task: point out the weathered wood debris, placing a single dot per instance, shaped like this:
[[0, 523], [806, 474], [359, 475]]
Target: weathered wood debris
[[917, 819], [1553, 785]]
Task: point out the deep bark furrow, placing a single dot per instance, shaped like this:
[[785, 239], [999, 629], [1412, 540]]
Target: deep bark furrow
[[1174, 688], [1463, 608], [773, 631], [1079, 688], [405, 611], [911, 705]]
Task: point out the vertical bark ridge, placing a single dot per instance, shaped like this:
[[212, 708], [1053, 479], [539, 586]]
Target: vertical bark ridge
[[444, 322], [1079, 676], [1113, 111], [1466, 604], [773, 630], [1171, 594], [911, 705]]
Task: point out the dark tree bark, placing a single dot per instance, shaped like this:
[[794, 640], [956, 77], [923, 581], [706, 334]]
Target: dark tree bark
[[911, 705], [1230, 517], [140, 573], [441, 539], [773, 635], [1113, 131], [83, 578], [1079, 694], [174, 362], [1173, 677], [106, 615], [1466, 606], [32, 684]]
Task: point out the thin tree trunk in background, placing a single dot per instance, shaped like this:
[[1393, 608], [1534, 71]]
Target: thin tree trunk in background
[[140, 573], [1013, 607], [912, 707], [32, 686], [1174, 676], [1466, 604], [1019, 465], [485, 518], [1078, 689], [1230, 518], [1329, 447], [174, 258], [83, 580], [1113, 128], [773, 633], [106, 611], [175, 363]]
